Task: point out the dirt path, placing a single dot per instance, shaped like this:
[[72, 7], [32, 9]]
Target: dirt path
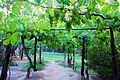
[[53, 71], [16, 72]]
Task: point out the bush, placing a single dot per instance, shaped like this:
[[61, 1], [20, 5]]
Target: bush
[[101, 65], [77, 66], [38, 65], [100, 59], [11, 63], [63, 64], [58, 60]]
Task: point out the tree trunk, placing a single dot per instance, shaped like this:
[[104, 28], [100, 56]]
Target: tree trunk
[[22, 54], [64, 54], [68, 60], [31, 65], [1, 56], [83, 56], [86, 71], [13, 50], [35, 49], [73, 57], [115, 67], [6, 62], [40, 53], [77, 47], [0, 60]]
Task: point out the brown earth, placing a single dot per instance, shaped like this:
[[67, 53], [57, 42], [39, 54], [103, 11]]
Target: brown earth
[[52, 71]]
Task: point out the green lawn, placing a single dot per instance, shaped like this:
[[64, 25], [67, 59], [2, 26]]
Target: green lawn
[[58, 57]]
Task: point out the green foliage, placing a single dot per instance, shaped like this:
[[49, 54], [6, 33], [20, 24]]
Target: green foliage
[[75, 20], [68, 26], [66, 2], [57, 60], [100, 57], [63, 64], [11, 39], [1, 15], [51, 19], [58, 57], [26, 18], [53, 56], [77, 66], [46, 61], [38, 65], [15, 9], [103, 66], [78, 72], [38, 1], [56, 15], [11, 63]]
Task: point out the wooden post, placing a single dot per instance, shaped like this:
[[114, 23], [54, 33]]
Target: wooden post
[[6, 62], [68, 61], [40, 53], [1, 56], [115, 67], [64, 54], [22, 54], [73, 57], [86, 71], [35, 49], [83, 56], [31, 65]]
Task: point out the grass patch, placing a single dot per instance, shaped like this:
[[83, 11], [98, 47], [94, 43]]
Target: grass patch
[[57, 60], [89, 72], [63, 64], [38, 65], [11, 63], [78, 72], [77, 66], [53, 56], [46, 62], [92, 73], [58, 57]]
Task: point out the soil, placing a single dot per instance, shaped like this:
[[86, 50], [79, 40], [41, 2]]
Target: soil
[[52, 71]]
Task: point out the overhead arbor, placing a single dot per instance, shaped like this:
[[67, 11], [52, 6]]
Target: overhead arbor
[[23, 18]]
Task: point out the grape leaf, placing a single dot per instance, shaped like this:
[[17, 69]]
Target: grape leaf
[[15, 9], [5, 42]]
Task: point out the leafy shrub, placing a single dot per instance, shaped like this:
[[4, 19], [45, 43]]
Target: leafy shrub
[[77, 66], [11, 63], [78, 72], [100, 59], [63, 64], [58, 60], [103, 66], [38, 65]]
